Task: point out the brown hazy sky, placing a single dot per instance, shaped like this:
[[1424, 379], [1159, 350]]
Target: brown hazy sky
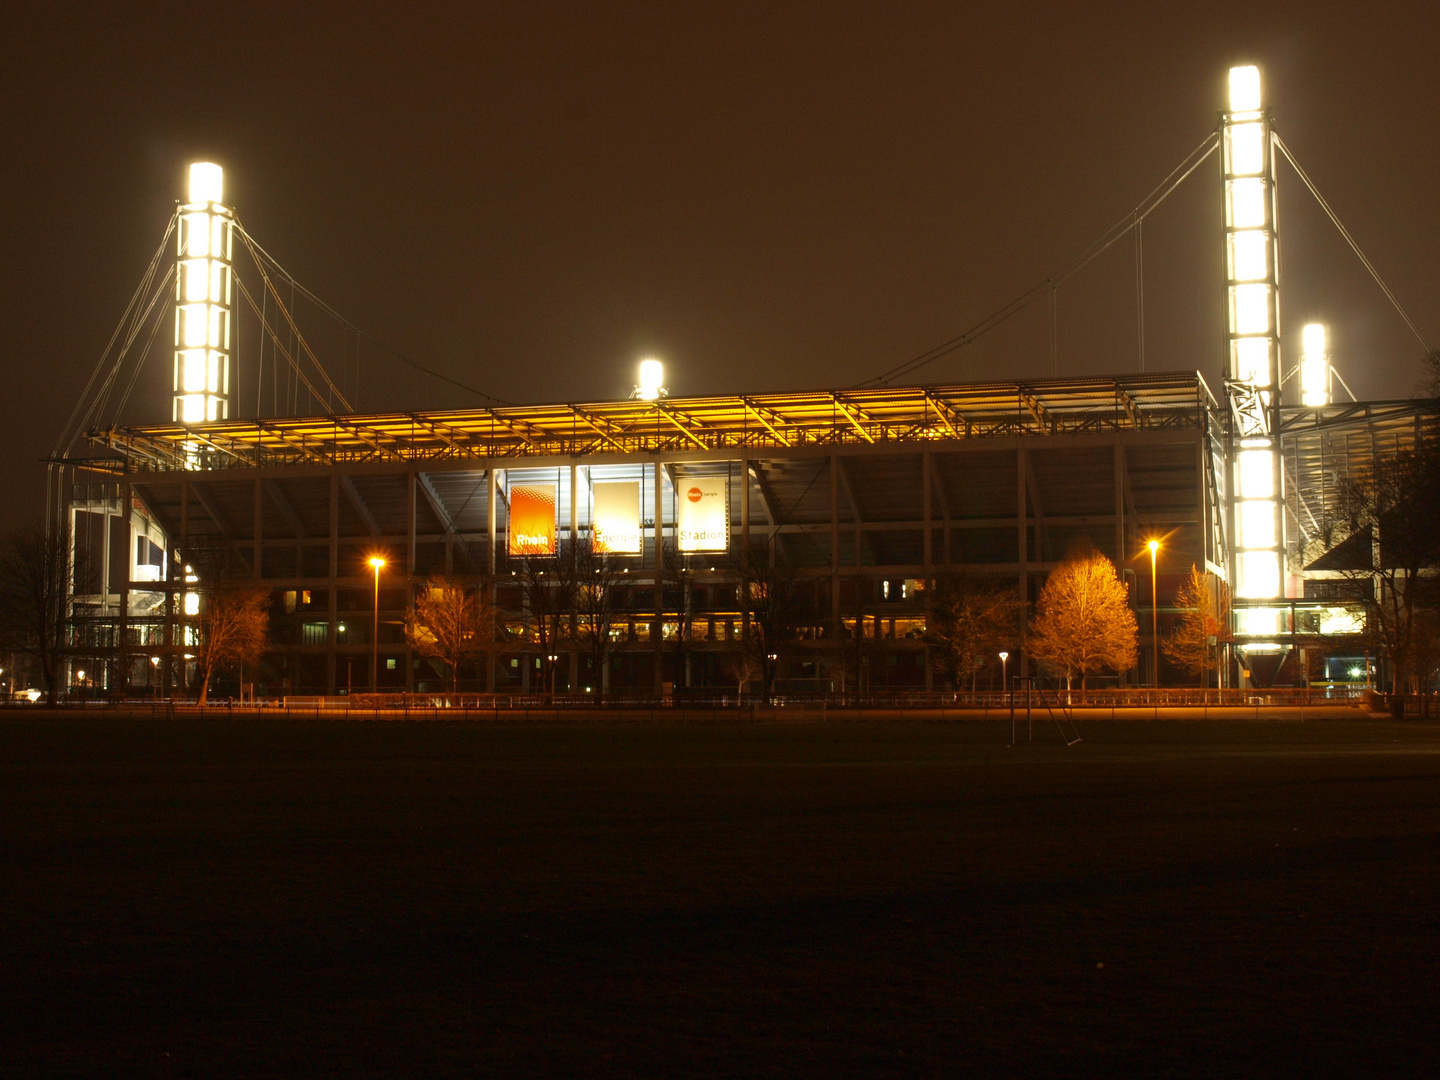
[[769, 196]]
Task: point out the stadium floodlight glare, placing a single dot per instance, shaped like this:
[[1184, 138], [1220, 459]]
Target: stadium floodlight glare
[[1250, 255], [652, 379], [1252, 308], [1253, 372], [1259, 575], [1257, 524], [1247, 149], [207, 182], [1257, 474], [1314, 366], [1245, 89], [1247, 203], [202, 300]]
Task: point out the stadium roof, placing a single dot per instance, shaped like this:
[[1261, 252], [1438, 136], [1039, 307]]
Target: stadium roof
[[702, 424]]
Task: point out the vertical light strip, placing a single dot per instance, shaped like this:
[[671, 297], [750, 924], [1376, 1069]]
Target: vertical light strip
[[1253, 341], [202, 300], [1314, 366]]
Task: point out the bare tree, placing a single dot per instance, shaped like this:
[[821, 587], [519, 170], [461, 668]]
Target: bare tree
[[548, 585], [35, 601], [677, 573], [744, 668], [450, 624], [1083, 622], [1204, 623], [969, 622], [598, 577], [770, 600], [1385, 541]]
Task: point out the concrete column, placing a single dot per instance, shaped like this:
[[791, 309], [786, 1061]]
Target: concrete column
[[929, 556], [574, 548], [332, 584], [410, 577], [835, 547], [257, 537], [657, 643], [1022, 525], [122, 647], [744, 538], [744, 507], [1122, 552], [177, 658], [491, 498]]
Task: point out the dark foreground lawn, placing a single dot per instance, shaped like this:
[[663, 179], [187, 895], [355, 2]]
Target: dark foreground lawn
[[344, 899]]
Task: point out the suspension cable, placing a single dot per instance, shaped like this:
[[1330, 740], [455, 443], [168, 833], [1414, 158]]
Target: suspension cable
[[359, 333], [1106, 240], [72, 428], [1335, 220]]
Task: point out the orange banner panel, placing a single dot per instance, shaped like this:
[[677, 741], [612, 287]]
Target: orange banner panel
[[532, 520]]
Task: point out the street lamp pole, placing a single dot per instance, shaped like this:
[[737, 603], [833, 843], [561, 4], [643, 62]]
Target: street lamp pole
[[376, 562], [1154, 546]]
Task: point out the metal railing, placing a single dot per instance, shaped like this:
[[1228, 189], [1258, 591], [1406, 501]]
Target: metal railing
[[719, 705]]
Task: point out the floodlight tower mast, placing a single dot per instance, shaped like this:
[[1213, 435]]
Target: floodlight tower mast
[[1252, 373], [202, 300]]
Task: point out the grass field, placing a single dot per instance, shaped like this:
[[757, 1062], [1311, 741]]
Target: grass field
[[260, 898]]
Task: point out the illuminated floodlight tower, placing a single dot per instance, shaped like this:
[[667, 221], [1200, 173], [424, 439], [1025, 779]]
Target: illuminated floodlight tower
[[652, 378], [1314, 367], [202, 300], [1253, 344]]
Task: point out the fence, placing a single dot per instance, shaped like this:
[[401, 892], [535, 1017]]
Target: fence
[[730, 707]]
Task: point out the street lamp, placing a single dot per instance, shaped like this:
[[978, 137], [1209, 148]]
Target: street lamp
[[1004, 670], [1154, 546], [376, 562]]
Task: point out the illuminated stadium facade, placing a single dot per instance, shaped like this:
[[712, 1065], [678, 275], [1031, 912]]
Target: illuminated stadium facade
[[872, 496]]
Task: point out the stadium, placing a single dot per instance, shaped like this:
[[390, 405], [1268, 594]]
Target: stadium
[[871, 495]]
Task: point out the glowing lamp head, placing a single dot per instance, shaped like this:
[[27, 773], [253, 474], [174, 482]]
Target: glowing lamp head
[[376, 561], [1245, 89], [1154, 546], [652, 379], [207, 182], [1004, 656], [1313, 339]]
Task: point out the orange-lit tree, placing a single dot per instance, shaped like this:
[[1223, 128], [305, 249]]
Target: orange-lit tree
[[969, 622], [1083, 622], [233, 625], [450, 624], [1204, 623]]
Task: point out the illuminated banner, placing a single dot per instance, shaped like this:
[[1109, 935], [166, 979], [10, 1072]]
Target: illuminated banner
[[615, 523], [704, 518], [532, 519]]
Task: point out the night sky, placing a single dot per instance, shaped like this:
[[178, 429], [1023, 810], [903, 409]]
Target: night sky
[[531, 197]]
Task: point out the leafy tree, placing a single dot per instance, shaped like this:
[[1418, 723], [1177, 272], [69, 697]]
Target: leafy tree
[[969, 622], [1083, 622], [450, 624], [233, 627], [35, 601], [1204, 622]]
